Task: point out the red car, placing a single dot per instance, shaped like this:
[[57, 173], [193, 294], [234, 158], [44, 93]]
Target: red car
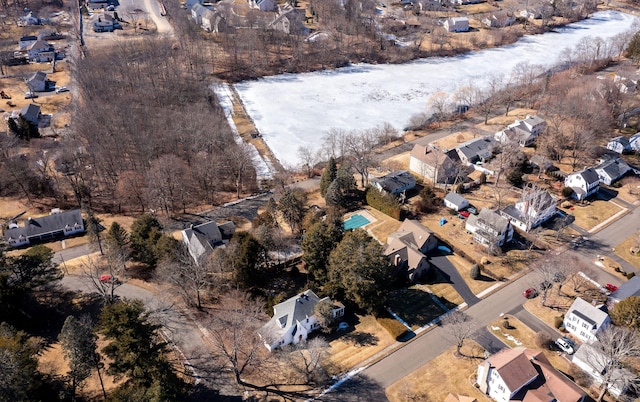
[[530, 293], [109, 279], [464, 214], [610, 287]]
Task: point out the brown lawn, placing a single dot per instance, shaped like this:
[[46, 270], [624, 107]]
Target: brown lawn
[[398, 162], [609, 264], [590, 215], [455, 139], [445, 291], [446, 373], [622, 250], [383, 226], [518, 113], [630, 189], [352, 348]]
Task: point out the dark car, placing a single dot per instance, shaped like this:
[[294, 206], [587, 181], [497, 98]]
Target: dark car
[[530, 293], [472, 209]]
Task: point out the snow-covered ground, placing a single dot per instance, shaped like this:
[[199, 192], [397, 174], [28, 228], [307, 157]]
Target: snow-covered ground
[[293, 110]]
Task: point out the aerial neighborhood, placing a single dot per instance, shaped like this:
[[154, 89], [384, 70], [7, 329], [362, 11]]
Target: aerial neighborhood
[[279, 200]]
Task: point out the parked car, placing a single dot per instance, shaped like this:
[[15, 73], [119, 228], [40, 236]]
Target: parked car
[[565, 345], [61, 90], [530, 293], [30, 95], [111, 7], [108, 279], [610, 287], [464, 214], [472, 209]]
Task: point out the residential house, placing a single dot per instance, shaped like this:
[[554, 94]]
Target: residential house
[[456, 24], [407, 248], [40, 51], [585, 321], [294, 319], [214, 21], [489, 228], [619, 144], [289, 20], [593, 362], [524, 132], [612, 170], [395, 183], [522, 374], [263, 5], [204, 238], [28, 19], [634, 142], [30, 113], [106, 23], [627, 289], [476, 150], [499, 20], [531, 13], [625, 85], [433, 164], [584, 183], [26, 41], [38, 82], [541, 162], [54, 226], [530, 212], [455, 201], [197, 10]]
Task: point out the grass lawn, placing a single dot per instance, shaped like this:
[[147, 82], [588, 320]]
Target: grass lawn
[[445, 291], [367, 339], [630, 189], [596, 212], [397, 162], [464, 268], [416, 307], [383, 226], [622, 250], [521, 335], [446, 373], [609, 264]]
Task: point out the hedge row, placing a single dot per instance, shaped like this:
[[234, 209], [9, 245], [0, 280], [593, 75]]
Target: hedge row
[[385, 203]]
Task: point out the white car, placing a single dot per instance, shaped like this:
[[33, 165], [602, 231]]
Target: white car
[[61, 90], [565, 345]]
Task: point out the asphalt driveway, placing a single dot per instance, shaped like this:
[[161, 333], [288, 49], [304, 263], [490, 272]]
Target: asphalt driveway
[[451, 274]]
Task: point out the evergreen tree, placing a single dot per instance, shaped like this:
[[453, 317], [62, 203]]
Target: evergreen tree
[[18, 365], [248, 257], [633, 49], [328, 176], [145, 233], [292, 208], [334, 196], [118, 244], [317, 245], [626, 313]]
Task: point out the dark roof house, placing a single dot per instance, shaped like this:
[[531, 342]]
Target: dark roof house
[[46, 228], [395, 183], [202, 239], [612, 170]]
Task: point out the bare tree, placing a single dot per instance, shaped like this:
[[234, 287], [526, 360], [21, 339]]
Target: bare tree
[[309, 359], [188, 277], [547, 272], [360, 147], [537, 202], [308, 158], [440, 103], [335, 143], [459, 326], [101, 276]]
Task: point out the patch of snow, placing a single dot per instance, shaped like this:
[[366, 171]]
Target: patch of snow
[[293, 110]]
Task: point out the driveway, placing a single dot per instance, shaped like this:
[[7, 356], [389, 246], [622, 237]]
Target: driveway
[[451, 273]]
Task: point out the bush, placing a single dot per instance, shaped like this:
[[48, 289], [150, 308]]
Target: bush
[[393, 326], [483, 178], [460, 189], [543, 340], [558, 321], [567, 192], [385, 203], [475, 271], [631, 275], [617, 269]]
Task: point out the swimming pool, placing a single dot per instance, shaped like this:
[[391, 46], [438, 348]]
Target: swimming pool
[[355, 222]]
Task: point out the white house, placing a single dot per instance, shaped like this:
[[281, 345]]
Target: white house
[[432, 164], [489, 228], [407, 248], [584, 183], [499, 20], [204, 238], [619, 144], [457, 24], [634, 142], [525, 375], [531, 211], [196, 12], [41, 51], [593, 362], [38, 82], [584, 320], [455, 201], [26, 41], [524, 132], [612, 170], [294, 319], [263, 5], [57, 225]]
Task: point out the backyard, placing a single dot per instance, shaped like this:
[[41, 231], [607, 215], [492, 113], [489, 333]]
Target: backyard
[[592, 214]]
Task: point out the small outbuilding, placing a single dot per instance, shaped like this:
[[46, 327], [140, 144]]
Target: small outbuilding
[[455, 201]]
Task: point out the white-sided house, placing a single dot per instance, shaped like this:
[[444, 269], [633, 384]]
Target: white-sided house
[[584, 183], [456, 24], [531, 211], [395, 183], [41, 51], [522, 374], [585, 321], [612, 170], [593, 362], [407, 249], [455, 201], [524, 132], [634, 142], [499, 20], [204, 238], [489, 228], [619, 144], [196, 12], [432, 164], [263, 5], [294, 319], [26, 41], [57, 225]]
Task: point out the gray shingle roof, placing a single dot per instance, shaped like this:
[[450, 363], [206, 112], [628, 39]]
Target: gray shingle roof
[[456, 199], [35, 227], [614, 167], [395, 181]]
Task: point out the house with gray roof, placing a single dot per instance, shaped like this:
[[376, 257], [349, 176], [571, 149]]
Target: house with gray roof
[[612, 170], [455, 201], [294, 319], [202, 239], [38, 82], [197, 10], [584, 183], [31, 113], [531, 211], [54, 226], [634, 142], [619, 144], [585, 320], [395, 183], [592, 361], [407, 249], [523, 132], [26, 41], [263, 5], [476, 150], [489, 228], [433, 164], [456, 24], [627, 289], [40, 51]]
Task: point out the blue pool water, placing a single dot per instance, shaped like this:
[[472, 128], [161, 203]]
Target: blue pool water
[[355, 222]]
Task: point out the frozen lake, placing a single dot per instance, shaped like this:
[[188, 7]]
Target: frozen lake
[[293, 110]]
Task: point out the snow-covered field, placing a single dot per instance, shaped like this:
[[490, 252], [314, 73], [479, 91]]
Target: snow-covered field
[[293, 110]]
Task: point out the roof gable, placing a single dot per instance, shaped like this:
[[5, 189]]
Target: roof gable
[[588, 313], [46, 224]]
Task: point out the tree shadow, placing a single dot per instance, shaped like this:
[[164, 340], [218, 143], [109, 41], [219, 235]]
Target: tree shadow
[[358, 388], [359, 338]]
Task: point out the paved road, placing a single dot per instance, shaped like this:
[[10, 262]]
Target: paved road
[[451, 273], [534, 322]]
